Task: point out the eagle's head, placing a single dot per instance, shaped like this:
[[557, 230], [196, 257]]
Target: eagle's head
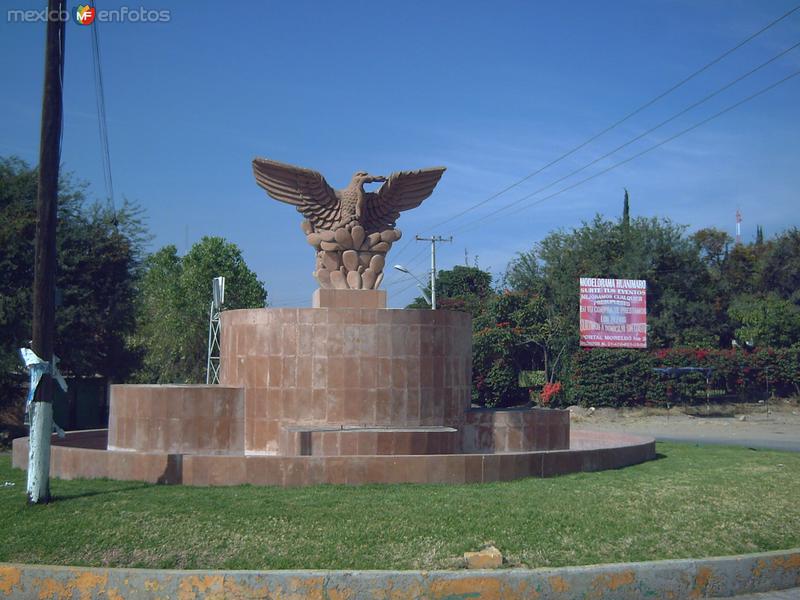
[[362, 177]]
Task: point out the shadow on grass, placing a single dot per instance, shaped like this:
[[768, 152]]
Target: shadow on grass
[[657, 457], [88, 494]]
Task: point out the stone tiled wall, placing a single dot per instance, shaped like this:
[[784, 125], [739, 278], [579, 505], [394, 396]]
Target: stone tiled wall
[[177, 419], [363, 442], [515, 430], [346, 366], [589, 452], [78, 457]]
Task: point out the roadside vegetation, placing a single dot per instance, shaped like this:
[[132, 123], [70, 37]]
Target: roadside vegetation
[[123, 314], [711, 303]]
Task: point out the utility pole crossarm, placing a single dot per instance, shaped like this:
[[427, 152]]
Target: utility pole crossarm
[[433, 240]]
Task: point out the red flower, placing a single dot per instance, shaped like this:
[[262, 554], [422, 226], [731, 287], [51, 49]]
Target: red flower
[[550, 390]]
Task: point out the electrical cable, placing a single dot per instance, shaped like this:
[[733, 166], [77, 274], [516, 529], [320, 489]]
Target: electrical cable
[[615, 124], [645, 133], [635, 156], [102, 121]]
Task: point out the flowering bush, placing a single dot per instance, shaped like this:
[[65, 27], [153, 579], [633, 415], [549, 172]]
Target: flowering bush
[[550, 391], [604, 377], [500, 350], [611, 377]]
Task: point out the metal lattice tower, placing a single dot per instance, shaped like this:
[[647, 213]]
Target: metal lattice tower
[[218, 299]]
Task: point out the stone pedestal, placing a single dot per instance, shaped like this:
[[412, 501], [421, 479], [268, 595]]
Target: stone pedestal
[[329, 298], [356, 367]]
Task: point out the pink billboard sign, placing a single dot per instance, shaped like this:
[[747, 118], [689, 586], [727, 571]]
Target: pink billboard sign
[[613, 313]]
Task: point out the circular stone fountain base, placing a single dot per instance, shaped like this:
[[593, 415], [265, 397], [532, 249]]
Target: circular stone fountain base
[[345, 392], [83, 454]]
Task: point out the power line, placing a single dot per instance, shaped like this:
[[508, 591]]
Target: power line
[[645, 133], [407, 287], [637, 155], [102, 122], [615, 124]]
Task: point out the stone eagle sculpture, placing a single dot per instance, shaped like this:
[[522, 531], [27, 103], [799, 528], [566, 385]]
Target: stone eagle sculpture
[[350, 229]]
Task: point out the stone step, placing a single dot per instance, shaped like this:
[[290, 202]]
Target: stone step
[[352, 440]]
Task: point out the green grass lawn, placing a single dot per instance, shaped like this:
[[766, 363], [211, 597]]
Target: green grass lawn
[[692, 502]]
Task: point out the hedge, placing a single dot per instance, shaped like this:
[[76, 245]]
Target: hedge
[[613, 377]]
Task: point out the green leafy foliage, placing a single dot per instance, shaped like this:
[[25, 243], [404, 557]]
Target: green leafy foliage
[[713, 245], [175, 303], [532, 379], [613, 377], [514, 333], [650, 249], [605, 377], [780, 272], [765, 321], [459, 288], [99, 255]]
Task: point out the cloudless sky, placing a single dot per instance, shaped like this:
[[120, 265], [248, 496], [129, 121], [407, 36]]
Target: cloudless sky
[[492, 91]]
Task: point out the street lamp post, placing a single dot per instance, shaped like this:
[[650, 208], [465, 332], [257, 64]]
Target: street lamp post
[[420, 285]]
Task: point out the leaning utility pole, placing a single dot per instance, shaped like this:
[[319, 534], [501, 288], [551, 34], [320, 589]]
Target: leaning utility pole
[[433, 240], [44, 280]]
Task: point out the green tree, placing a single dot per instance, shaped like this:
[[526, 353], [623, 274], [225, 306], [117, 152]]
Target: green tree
[[766, 321], [460, 288], [780, 272], [99, 255], [626, 211], [655, 250], [741, 270], [713, 245], [174, 307], [524, 273]]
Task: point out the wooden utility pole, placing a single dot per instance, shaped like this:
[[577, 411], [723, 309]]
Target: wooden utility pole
[[44, 274]]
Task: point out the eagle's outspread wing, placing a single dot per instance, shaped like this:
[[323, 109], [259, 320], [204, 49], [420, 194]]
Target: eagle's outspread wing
[[402, 191], [307, 190]]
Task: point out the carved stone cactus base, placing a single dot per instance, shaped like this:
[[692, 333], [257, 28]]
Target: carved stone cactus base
[[348, 258]]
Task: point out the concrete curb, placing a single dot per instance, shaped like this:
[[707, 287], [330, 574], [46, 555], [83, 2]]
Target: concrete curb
[[667, 579]]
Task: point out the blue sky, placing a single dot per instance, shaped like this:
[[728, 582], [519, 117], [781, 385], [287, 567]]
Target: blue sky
[[492, 91]]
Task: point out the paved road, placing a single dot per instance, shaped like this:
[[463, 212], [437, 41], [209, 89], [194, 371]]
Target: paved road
[[790, 445], [792, 594], [773, 431]]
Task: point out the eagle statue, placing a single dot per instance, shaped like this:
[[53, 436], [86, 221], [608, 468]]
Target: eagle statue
[[350, 229]]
